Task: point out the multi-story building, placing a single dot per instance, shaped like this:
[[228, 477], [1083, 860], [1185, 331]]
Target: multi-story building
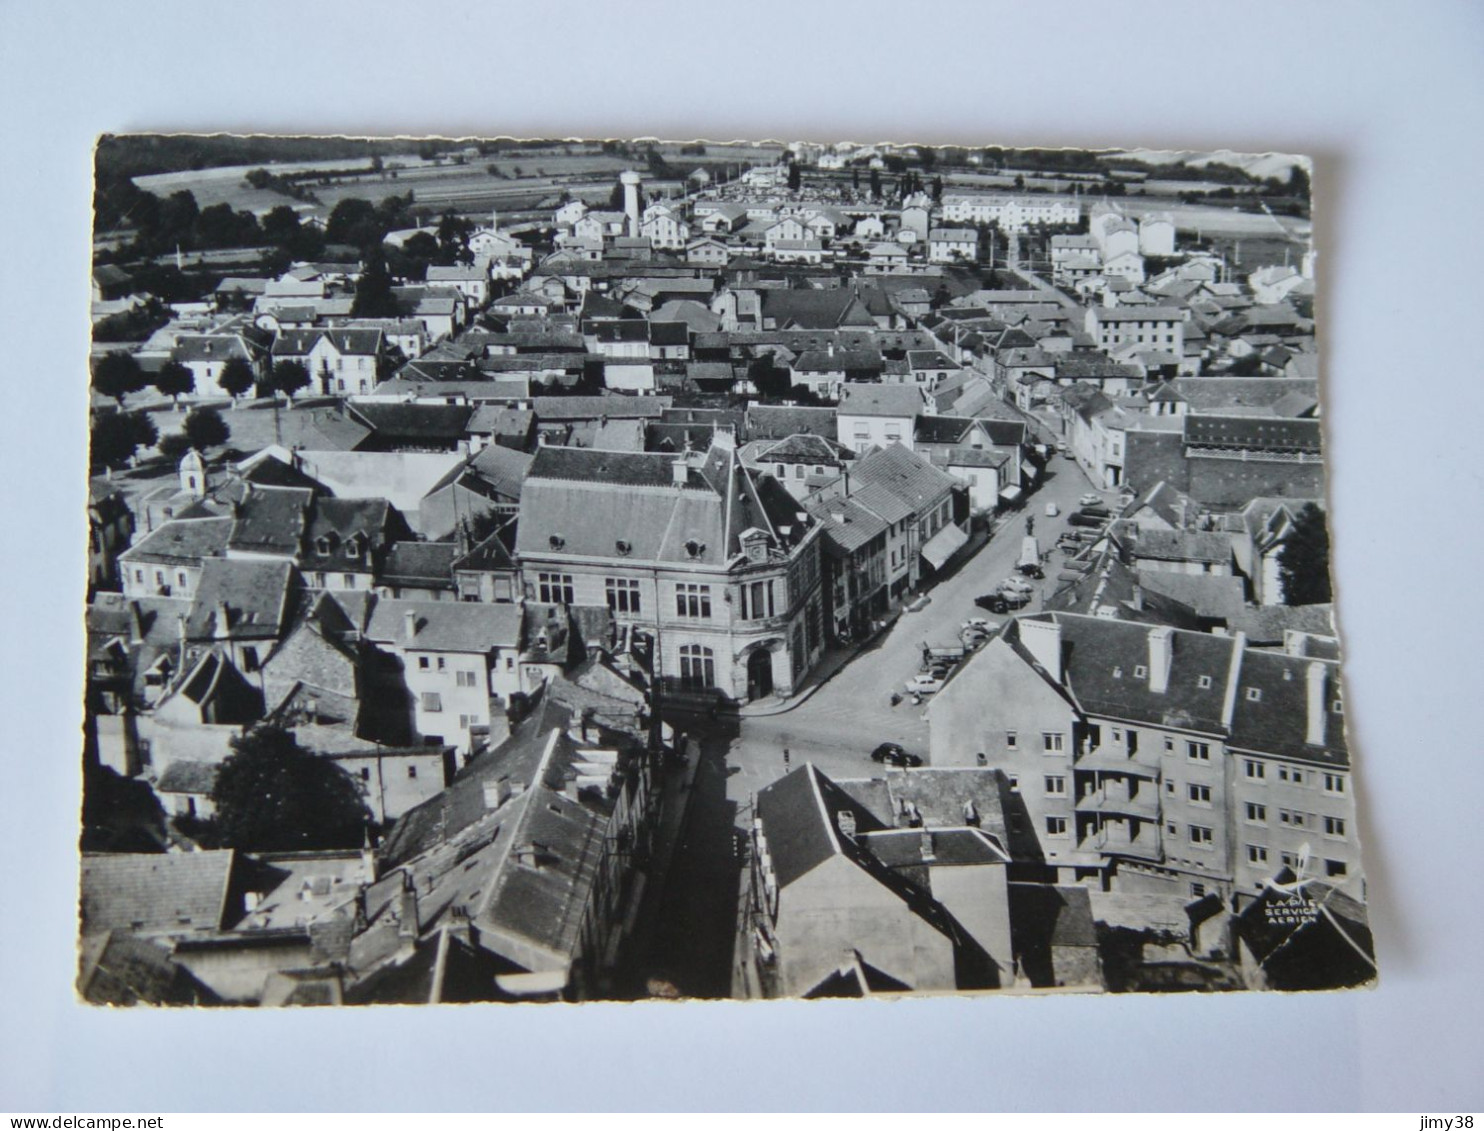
[[1012, 214], [879, 415], [1159, 327], [716, 566], [952, 245], [1157, 760], [338, 361]]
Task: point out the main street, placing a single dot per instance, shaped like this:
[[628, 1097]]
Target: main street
[[838, 726]]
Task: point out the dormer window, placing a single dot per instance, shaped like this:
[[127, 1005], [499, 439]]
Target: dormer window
[[323, 545], [1203, 682], [624, 548], [1140, 672], [355, 544], [557, 542], [695, 549], [1254, 695]]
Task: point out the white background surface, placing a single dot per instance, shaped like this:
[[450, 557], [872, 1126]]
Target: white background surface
[[1387, 99]]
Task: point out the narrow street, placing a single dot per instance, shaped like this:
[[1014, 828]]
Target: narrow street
[[690, 944]]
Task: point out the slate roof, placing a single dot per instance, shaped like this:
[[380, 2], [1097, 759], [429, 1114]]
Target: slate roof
[[182, 542], [255, 592], [941, 429], [436, 422], [591, 500], [800, 449], [881, 502], [1276, 722], [846, 524], [814, 309], [338, 520], [1248, 433], [1177, 545], [778, 422], [1212, 394], [908, 476], [504, 469], [446, 626], [1140, 314], [1095, 648], [1266, 624], [1058, 914], [298, 343], [840, 361], [882, 400], [1208, 595], [500, 420], [171, 892], [186, 776], [271, 520], [422, 563], [594, 408]]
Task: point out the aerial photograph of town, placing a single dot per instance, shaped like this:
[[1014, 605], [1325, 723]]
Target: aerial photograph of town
[[560, 570]]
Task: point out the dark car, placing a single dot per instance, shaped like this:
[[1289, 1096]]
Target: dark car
[[1080, 519], [894, 755], [1096, 512], [994, 602]]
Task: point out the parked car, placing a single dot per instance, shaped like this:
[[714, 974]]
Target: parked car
[[993, 602], [981, 623], [1017, 585], [893, 755], [924, 684], [1090, 500], [921, 603], [1096, 512], [1061, 446], [1081, 518], [1052, 510]]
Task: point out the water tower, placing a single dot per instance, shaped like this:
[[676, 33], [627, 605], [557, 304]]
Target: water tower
[[630, 181]]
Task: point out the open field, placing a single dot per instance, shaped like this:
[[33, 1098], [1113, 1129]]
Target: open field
[[467, 187]]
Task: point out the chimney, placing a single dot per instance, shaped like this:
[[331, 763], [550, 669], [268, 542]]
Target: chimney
[[681, 472], [1161, 653], [1314, 732], [971, 813], [409, 623], [1042, 639], [223, 630], [926, 847], [136, 625], [1138, 599]]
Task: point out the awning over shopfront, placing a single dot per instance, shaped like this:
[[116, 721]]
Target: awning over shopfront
[[943, 545], [1010, 493]]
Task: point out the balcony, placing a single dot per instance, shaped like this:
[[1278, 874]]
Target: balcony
[[1113, 760], [1113, 841], [1112, 799]]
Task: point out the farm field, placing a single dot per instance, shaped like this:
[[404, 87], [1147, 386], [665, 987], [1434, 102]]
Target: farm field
[[467, 187]]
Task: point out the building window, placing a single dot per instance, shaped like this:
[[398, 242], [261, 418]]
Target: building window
[[464, 679], [1289, 859], [1203, 682], [1051, 743], [1200, 836], [1199, 794], [1198, 751], [423, 664], [1056, 826], [1257, 814], [697, 666], [1254, 695], [1056, 786], [1012, 740], [693, 601], [623, 594], [1255, 771], [554, 588], [1197, 890], [1335, 868], [1334, 783], [442, 663], [1290, 817], [412, 771], [1169, 745], [348, 580], [1172, 829], [1257, 854], [365, 773], [432, 701], [1334, 826]]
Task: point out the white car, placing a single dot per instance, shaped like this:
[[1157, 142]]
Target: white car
[[924, 684], [1090, 500], [1017, 585], [1052, 510], [983, 624]]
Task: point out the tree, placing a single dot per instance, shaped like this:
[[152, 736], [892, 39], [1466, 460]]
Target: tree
[[855, 178], [288, 377], [116, 436], [174, 446], [876, 182], [937, 189], [174, 380], [615, 197], [237, 377], [117, 374], [794, 177], [205, 428], [1303, 562], [374, 297], [272, 795]]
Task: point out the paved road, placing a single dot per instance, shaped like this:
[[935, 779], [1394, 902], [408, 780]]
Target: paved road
[[849, 715]]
